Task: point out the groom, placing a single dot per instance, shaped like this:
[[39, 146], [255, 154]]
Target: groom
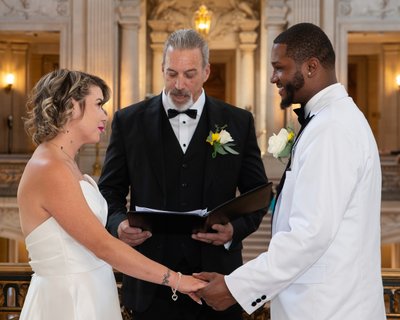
[[323, 261], [158, 151]]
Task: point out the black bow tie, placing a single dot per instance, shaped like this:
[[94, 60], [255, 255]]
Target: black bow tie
[[190, 112], [301, 116]]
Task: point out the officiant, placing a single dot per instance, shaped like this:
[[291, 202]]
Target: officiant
[[181, 150]]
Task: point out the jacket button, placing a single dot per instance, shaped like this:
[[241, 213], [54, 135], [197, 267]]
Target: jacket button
[[253, 304], [263, 297], [258, 300]]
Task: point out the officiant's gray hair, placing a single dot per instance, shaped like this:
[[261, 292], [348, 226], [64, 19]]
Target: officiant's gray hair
[[187, 39]]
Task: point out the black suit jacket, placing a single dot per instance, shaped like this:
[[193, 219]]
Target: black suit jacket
[[134, 161]]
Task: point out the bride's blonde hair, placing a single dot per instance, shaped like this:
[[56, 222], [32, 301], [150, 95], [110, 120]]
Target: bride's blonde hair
[[49, 106]]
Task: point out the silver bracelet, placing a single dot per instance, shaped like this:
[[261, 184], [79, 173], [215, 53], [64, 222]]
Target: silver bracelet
[[174, 295]]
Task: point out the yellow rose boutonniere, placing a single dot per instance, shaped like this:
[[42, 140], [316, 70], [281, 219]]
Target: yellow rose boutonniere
[[221, 141], [280, 145]]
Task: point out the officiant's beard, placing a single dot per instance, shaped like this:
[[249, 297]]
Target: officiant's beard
[[184, 106], [291, 88]]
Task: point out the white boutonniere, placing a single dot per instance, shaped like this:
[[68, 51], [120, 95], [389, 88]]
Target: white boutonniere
[[221, 141], [280, 145]]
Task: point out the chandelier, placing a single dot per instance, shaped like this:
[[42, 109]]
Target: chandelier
[[202, 20]]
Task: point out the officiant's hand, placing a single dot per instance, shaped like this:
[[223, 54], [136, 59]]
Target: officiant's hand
[[223, 235], [216, 294], [130, 235]]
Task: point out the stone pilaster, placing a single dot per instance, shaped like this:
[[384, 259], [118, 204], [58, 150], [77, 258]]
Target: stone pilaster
[[100, 53], [247, 37], [276, 21], [158, 35], [390, 121], [129, 23], [305, 11], [100, 39]]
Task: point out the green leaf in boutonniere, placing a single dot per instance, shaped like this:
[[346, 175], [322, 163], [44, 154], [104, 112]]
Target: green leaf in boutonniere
[[281, 145], [221, 141]]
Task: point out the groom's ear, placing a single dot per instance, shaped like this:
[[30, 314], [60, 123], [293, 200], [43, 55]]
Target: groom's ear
[[311, 66]]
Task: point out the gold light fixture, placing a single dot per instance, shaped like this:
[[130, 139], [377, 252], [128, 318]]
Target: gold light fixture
[[398, 80], [202, 20], [10, 78]]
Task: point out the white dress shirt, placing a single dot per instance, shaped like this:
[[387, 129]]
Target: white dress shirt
[[183, 125]]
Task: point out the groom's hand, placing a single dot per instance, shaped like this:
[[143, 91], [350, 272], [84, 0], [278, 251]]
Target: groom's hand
[[216, 294], [130, 235]]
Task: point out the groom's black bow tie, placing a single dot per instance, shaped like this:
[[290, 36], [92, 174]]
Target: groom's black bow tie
[[303, 120], [190, 112], [300, 115]]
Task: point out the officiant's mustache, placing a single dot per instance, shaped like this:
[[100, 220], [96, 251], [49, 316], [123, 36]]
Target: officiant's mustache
[[177, 92]]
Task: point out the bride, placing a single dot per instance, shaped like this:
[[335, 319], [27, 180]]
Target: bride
[[63, 214]]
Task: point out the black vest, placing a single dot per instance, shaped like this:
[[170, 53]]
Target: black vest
[[184, 175]]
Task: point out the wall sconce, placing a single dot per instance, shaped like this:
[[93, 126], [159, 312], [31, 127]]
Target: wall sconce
[[10, 78], [398, 80], [202, 20]]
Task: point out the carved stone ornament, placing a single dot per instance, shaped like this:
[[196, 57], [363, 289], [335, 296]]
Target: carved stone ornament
[[29, 9], [129, 10], [10, 174], [277, 12], [226, 18], [382, 9]]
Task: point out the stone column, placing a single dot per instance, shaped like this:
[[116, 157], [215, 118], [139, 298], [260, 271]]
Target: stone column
[[390, 121], [129, 22], [78, 33], [17, 97], [271, 118], [275, 23], [306, 11], [158, 37], [4, 98], [99, 56], [100, 39], [246, 93], [248, 38]]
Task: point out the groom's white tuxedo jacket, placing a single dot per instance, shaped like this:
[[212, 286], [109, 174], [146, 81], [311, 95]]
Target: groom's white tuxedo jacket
[[323, 261]]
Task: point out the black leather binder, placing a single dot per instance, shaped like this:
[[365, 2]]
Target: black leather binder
[[186, 223]]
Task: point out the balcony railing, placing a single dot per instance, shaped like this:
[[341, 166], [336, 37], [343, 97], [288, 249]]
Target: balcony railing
[[15, 279], [391, 291]]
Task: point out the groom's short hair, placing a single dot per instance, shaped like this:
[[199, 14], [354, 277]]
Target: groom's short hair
[[305, 41]]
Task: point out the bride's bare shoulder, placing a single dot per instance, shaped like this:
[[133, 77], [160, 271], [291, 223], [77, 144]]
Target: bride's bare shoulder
[[44, 165]]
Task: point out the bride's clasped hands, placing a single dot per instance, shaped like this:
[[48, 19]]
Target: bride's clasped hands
[[188, 285]]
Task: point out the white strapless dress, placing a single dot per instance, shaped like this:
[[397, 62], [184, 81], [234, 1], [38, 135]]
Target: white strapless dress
[[69, 281]]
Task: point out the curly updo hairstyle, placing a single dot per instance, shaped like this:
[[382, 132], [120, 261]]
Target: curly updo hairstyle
[[50, 102]]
